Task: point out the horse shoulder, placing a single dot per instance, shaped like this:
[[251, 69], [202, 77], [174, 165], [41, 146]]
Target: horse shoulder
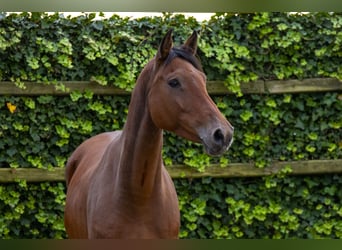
[[80, 169], [88, 154]]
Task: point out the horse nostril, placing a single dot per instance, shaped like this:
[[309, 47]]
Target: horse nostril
[[218, 136]]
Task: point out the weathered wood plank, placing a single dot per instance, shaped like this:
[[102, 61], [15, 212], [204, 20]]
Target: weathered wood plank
[[249, 170], [214, 87], [34, 89], [312, 166], [233, 170], [301, 86], [31, 174], [218, 88]]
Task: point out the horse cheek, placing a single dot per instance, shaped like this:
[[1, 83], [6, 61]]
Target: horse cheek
[[161, 112]]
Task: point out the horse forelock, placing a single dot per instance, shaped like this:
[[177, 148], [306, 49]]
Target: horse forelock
[[186, 55]]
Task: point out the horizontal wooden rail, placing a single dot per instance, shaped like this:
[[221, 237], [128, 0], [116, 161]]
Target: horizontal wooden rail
[[305, 85], [312, 167], [214, 87], [249, 170]]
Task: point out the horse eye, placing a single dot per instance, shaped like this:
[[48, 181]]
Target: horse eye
[[174, 83]]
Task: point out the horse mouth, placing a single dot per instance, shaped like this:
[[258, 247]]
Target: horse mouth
[[216, 150]]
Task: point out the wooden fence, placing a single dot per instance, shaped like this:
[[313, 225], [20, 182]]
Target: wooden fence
[[214, 87], [181, 171]]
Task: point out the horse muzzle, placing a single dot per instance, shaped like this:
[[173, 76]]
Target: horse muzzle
[[217, 141]]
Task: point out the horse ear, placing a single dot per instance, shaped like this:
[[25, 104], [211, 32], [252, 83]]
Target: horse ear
[[165, 46], [191, 42]]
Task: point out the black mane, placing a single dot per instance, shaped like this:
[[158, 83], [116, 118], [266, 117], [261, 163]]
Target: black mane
[[185, 54]]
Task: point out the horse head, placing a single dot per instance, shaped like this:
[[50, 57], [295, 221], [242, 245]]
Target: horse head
[[178, 99]]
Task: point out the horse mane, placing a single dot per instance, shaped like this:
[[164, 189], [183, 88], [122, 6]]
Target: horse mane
[[186, 54]]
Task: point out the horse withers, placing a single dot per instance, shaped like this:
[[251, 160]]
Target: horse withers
[[117, 185]]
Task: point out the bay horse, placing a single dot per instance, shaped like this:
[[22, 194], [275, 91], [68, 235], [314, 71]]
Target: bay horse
[[117, 185]]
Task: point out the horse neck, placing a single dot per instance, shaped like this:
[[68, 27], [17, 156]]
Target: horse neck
[[141, 160]]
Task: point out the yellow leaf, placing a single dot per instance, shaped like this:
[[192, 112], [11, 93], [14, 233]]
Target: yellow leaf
[[11, 107]]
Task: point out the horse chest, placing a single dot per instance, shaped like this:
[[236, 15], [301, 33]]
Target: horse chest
[[127, 220]]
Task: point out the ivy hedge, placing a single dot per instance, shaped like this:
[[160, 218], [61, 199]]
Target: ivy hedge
[[42, 131]]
